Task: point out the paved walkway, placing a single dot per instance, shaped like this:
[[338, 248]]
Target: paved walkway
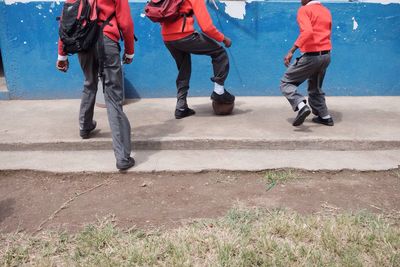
[[43, 135]]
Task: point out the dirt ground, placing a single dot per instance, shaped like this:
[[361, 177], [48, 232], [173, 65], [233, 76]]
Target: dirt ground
[[30, 201]]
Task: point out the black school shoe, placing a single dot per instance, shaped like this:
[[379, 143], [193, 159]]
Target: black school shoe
[[225, 98], [180, 114], [301, 116], [85, 134], [327, 122], [126, 165]]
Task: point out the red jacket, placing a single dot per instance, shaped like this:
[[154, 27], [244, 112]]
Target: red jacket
[[121, 21], [172, 31], [315, 22]]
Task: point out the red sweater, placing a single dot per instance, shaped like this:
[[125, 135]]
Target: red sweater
[[121, 21], [172, 31], [315, 22]]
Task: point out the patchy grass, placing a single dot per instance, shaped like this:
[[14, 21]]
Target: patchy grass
[[272, 178], [244, 237]]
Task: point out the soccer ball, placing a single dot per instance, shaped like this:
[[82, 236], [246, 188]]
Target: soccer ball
[[222, 108]]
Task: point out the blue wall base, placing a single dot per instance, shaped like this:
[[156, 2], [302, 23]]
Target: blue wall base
[[365, 55], [4, 95]]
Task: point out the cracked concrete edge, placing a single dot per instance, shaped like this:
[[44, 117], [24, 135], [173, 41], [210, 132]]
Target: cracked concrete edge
[[202, 160], [209, 144]]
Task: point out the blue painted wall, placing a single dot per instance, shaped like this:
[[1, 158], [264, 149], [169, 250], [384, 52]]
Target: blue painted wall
[[365, 61]]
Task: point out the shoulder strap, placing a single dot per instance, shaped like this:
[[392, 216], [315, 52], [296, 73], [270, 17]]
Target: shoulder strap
[[107, 21], [82, 16], [185, 15]]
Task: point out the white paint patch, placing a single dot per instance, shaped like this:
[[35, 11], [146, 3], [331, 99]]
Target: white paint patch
[[142, 15], [383, 2], [39, 6], [236, 9], [355, 24]]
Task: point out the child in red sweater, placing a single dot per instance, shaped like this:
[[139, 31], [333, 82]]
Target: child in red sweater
[[182, 40], [113, 91], [314, 41]]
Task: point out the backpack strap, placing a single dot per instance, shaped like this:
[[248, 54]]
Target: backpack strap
[[185, 15], [83, 16], [100, 47], [107, 21]]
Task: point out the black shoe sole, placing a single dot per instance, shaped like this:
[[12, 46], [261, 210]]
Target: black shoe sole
[[191, 112], [86, 134], [299, 120], [219, 101], [126, 167], [319, 121], [220, 98]]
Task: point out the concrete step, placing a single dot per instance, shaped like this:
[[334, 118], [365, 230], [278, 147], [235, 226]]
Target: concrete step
[[201, 160], [264, 123], [207, 144]]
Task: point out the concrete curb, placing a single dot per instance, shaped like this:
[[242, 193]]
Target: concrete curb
[[201, 160], [43, 135], [209, 144]]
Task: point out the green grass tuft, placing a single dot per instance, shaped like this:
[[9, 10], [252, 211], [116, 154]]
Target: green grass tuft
[[273, 178]]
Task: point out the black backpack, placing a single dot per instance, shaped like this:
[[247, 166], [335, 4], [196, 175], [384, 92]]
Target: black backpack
[[79, 34]]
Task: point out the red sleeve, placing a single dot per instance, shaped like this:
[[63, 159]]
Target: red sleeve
[[204, 20], [60, 48], [125, 24], [306, 30], [60, 43]]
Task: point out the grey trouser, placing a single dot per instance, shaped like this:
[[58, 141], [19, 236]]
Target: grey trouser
[[199, 44], [113, 96], [312, 68]]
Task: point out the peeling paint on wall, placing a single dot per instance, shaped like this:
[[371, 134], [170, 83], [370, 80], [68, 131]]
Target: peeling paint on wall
[[355, 24], [235, 9], [383, 2], [261, 30]]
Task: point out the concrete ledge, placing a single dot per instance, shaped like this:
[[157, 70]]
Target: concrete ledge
[[201, 160], [44, 135], [258, 123], [210, 144]]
